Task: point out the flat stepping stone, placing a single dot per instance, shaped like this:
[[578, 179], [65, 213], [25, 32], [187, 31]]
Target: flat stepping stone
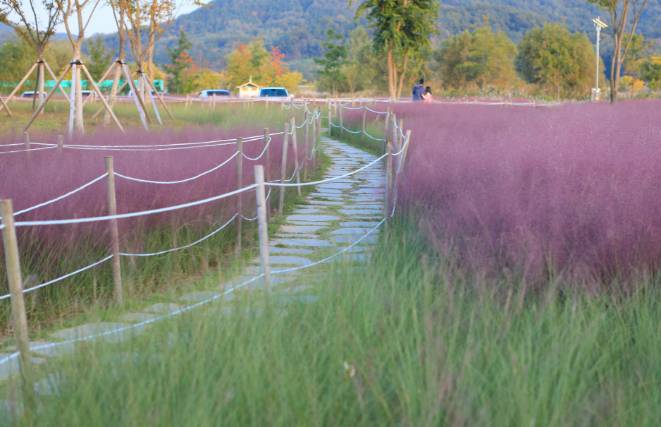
[[295, 229], [308, 243], [288, 260], [372, 238], [162, 308], [106, 330], [296, 236], [350, 231], [312, 218], [291, 251], [200, 296], [359, 224]]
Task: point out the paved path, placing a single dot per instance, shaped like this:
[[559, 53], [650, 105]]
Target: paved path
[[333, 216]]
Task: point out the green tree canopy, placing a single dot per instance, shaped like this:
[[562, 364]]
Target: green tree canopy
[[99, 58], [331, 77], [402, 31], [560, 63], [482, 60], [180, 63]]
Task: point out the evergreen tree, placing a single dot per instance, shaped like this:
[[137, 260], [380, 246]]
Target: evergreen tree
[[335, 56], [180, 63]]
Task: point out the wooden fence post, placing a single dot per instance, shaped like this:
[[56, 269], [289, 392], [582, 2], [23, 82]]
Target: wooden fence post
[[386, 128], [118, 292], [267, 168], [400, 139], [341, 116], [262, 224], [283, 169], [363, 136], [60, 143], [15, 279], [294, 143], [239, 184], [386, 204]]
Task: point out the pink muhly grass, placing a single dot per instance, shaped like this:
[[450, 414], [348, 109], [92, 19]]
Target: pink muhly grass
[[572, 190]]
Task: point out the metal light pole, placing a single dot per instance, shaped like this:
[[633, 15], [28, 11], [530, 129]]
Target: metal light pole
[[598, 25]]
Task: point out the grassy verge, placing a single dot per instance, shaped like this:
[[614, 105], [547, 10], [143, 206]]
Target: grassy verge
[[403, 340]]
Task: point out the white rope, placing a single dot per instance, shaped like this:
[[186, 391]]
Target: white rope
[[28, 150], [138, 325], [367, 134], [375, 111], [190, 245], [133, 214], [59, 279], [323, 181], [180, 181], [63, 196], [192, 147], [266, 147]]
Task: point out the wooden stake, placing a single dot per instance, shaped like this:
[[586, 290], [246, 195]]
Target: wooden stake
[[103, 100], [20, 84], [386, 127], [26, 140], [330, 119], [239, 184], [118, 293], [137, 98], [60, 143], [267, 168], [263, 227], [341, 116], [52, 74], [294, 143], [15, 280], [3, 105], [48, 97], [283, 169], [158, 96]]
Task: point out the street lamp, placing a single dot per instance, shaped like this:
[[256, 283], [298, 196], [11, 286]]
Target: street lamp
[[598, 25]]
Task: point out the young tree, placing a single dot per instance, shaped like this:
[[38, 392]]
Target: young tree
[[73, 13], [180, 63], [361, 68], [481, 59], [331, 76], [624, 18], [402, 31], [36, 29], [558, 62]]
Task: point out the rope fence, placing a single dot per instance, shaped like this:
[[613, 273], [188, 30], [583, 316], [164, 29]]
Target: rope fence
[[312, 125]]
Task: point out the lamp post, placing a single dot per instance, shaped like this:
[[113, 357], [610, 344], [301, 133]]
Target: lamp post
[[598, 25]]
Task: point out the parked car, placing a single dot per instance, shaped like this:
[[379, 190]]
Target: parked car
[[273, 92], [214, 92], [30, 94]]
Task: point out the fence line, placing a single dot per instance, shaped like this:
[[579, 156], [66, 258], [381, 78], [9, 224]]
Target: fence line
[[275, 183]]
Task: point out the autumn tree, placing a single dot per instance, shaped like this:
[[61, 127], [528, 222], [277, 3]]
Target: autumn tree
[[558, 62], [402, 31], [624, 16], [266, 68], [482, 60]]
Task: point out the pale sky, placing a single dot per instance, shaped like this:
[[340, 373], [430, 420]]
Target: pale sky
[[103, 22]]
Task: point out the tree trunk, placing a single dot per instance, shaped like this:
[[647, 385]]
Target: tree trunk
[[79, 123], [392, 71]]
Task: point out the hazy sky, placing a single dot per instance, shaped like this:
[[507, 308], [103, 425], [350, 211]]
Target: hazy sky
[[103, 22]]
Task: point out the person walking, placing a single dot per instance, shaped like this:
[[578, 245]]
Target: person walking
[[418, 91]]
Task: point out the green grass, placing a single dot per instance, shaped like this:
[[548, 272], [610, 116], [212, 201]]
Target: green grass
[[55, 117], [405, 340]]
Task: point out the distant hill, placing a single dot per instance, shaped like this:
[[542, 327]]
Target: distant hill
[[297, 27]]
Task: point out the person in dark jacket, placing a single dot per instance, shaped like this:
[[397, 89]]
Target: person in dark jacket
[[419, 90]]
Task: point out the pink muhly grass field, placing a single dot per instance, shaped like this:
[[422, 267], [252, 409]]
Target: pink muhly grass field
[[572, 190], [49, 173]]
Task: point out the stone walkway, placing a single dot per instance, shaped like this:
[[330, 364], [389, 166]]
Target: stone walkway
[[333, 216]]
